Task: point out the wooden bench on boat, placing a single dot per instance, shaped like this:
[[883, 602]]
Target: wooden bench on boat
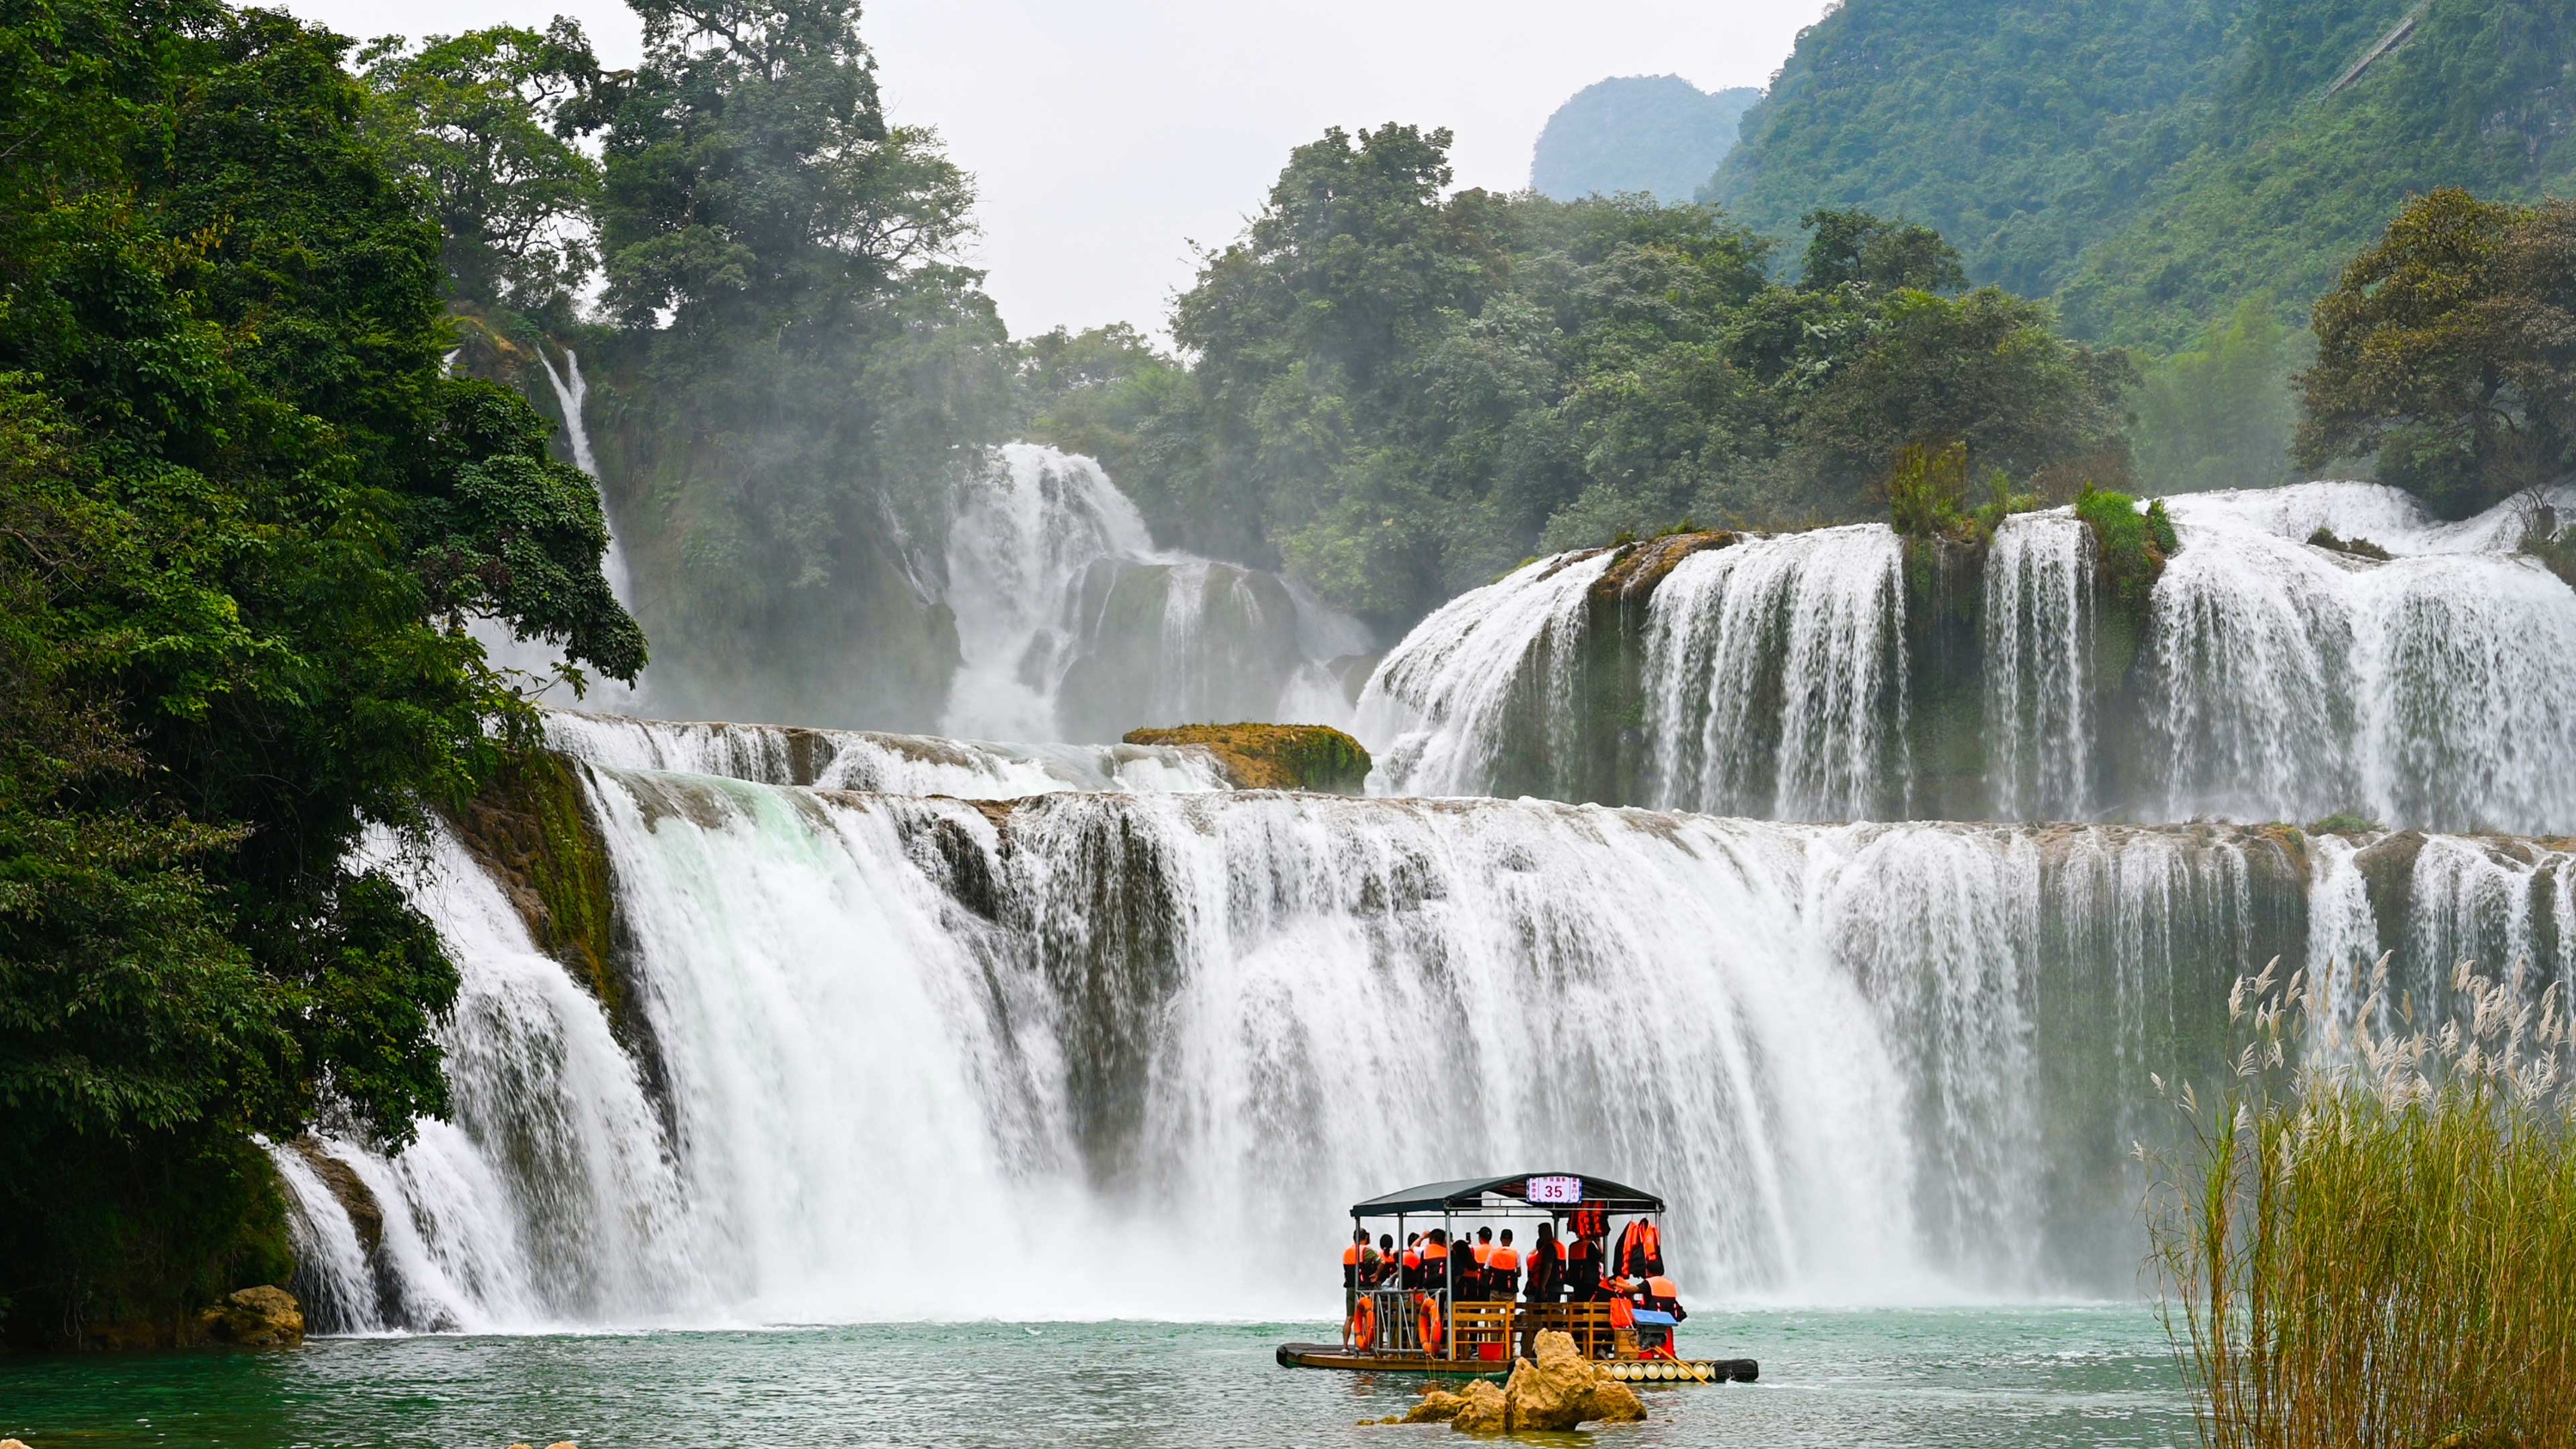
[[1480, 1338]]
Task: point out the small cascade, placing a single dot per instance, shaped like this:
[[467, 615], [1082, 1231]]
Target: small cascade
[[2038, 615], [1775, 678], [881, 763], [1072, 625], [1484, 691], [571, 391]]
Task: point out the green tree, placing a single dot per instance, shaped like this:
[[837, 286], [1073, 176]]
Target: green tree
[[484, 121], [243, 511], [1852, 247], [2448, 353]]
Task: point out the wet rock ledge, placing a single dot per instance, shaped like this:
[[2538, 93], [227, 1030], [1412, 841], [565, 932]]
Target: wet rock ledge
[[1274, 757]]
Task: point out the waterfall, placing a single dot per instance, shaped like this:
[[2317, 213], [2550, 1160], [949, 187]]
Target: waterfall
[[2038, 620], [885, 763], [1775, 678], [570, 393], [1491, 669], [1094, 1053], [1072, 626], [1836, 675], [2293, 681]]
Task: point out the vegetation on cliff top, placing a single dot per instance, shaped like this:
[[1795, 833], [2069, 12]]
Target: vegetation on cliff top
[[244, 511]]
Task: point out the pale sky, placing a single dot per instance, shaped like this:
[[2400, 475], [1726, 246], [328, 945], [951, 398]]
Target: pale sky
[[1107, 135]]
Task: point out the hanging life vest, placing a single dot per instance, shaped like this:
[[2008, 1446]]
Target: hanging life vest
[[1641, 1250]]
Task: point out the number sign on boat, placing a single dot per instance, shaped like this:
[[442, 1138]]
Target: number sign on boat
[[1555, 1191]]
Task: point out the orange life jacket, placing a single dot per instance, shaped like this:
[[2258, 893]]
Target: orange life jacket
[[1663, 1288], [1503, 1260], [1641, 1249], [1351, 1256], [1483, 1253], [1413, 1260], [1435, 1253]]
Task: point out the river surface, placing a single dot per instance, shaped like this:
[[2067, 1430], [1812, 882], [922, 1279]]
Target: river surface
[[1994, 1378]]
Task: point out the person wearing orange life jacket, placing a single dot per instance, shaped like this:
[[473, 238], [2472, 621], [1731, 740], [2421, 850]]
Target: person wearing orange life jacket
[[1503, 1270], [1385, 1259], [1583, 1254], [1477, 1290], [1435, 1284], [1545, 1284], [1412, 1276]]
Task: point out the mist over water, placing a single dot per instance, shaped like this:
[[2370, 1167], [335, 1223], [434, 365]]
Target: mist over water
[[1073, 626]]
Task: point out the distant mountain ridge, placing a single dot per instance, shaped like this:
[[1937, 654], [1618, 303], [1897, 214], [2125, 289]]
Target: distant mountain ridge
[[1658, 134], [2151, 163]]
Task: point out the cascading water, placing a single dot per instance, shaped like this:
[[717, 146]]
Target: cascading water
[[1100, 1053], [538, 660], [883, 763], [1832, 675], [1775, 678], [2039, 611], [2294, 681], [1490, 669], [1071, 624]]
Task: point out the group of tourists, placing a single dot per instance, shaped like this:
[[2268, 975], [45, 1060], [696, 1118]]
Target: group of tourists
[[1579, 1267]]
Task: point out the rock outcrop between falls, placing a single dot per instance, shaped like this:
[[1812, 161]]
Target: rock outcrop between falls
[[1561, 1391], [1274, 757]]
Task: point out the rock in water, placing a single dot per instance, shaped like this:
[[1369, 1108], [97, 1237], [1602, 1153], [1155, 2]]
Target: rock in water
[[1483, 1409], [261, 1317], [1563, 1390]]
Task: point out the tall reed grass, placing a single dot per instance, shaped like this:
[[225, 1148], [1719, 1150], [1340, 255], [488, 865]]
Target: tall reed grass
[[2369, 1238]]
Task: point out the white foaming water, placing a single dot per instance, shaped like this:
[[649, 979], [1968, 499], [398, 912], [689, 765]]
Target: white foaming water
[[1775, 678], [2038, 620], [1122, 1054], [1494, 661], [889, 764], [1072, 625], [2294, 681]]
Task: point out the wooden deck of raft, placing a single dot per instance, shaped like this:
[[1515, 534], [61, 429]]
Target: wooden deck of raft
[[1486, 1337]]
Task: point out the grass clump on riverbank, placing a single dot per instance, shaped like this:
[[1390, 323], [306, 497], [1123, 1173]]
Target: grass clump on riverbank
[[2378, 1246]]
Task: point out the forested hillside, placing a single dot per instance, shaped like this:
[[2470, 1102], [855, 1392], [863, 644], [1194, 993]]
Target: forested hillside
[[2152, 163], [1657, 134]]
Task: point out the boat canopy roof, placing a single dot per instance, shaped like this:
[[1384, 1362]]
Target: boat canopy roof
[[1469, 1194]]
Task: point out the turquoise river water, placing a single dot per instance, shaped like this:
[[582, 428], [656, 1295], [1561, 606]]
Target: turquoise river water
[[1994, 1378]]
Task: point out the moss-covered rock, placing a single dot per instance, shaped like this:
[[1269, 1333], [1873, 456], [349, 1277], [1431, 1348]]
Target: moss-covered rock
[[532, 830], [1274, 757]]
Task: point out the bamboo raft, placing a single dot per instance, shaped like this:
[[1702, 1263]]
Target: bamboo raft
[[1484, 1335]]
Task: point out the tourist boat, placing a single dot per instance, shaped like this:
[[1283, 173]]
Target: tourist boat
[[1476, 1339]]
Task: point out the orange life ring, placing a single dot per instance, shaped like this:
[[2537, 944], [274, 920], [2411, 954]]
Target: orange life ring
[[1361, 1331], [1432, 1341]]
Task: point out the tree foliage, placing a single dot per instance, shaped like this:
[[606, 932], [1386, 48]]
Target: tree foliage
[[484, 120], [244, 511], [2448, 353], [1397, 390]]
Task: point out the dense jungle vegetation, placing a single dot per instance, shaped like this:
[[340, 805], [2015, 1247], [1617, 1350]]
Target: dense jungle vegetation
[[244, 513]]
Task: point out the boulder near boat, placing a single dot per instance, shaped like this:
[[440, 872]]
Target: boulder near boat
[[1431, 1325]]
